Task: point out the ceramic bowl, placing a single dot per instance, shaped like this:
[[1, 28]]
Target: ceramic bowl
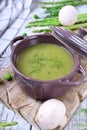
[[40, 89]]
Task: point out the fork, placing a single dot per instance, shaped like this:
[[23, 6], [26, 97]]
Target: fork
[[71, 39]]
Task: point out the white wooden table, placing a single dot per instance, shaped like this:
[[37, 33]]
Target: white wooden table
[[15, 29]]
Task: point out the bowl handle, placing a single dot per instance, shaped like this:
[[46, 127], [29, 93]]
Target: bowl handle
[[15, 40], [79, 81], [82, 32]]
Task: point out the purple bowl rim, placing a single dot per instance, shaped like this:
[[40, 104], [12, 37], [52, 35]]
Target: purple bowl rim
[[75, 68]]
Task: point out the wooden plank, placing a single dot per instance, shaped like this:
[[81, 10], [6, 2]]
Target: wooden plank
[[15, 98]]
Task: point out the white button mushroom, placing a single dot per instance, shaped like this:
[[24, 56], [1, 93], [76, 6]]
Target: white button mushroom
[[68, 15], [50, 114]]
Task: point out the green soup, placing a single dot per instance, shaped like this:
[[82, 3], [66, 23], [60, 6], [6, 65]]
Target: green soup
[[45, 62]]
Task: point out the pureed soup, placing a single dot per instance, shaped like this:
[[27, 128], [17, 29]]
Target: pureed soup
[[45, 62]]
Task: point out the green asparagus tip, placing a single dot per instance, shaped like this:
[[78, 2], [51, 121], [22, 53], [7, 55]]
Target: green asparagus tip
[[42, 30]]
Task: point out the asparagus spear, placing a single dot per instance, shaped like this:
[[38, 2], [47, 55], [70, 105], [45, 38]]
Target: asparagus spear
[[73, 3], [56, 2], [52, 11], [46, 30], [5, 124], [73, 27], [54, 21], [76, 26], [82, 19]]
